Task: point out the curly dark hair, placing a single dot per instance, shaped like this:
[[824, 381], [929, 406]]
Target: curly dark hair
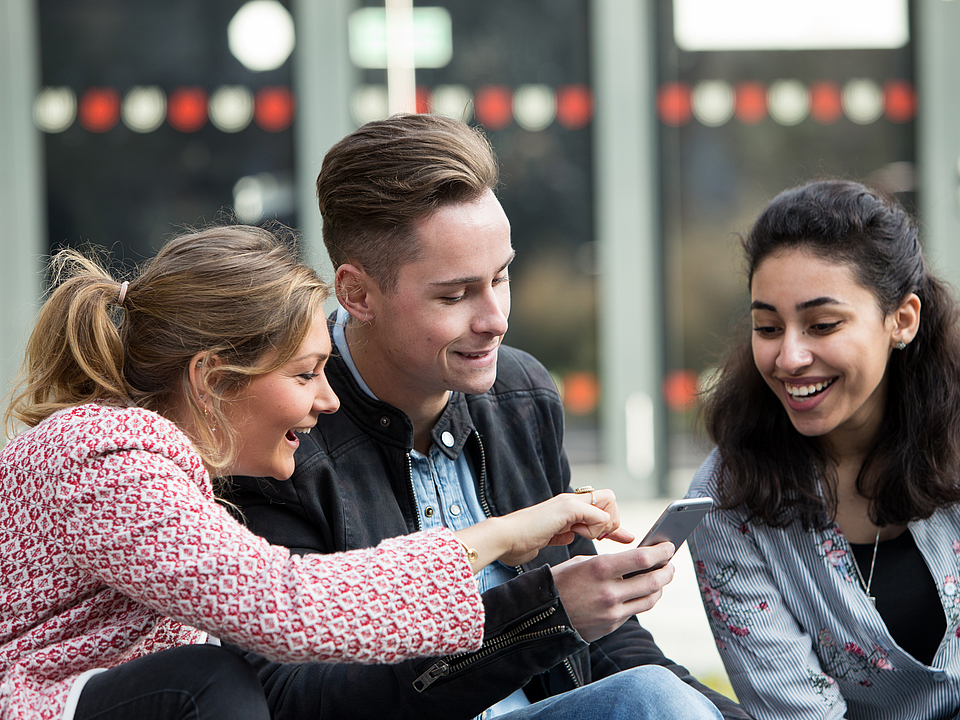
[[913, 464]]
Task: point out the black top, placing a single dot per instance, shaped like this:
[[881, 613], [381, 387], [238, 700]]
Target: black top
[[906, 594]]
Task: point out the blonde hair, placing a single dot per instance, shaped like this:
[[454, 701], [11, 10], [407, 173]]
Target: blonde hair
[[235, 294]]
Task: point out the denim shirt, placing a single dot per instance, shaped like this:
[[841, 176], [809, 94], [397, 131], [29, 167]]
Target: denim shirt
[[446, 495]]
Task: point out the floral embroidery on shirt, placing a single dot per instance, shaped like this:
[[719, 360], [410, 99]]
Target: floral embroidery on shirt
[[723, 610], [822, 683], [851, 662], [950, 599], [834, 551], [949, 591]]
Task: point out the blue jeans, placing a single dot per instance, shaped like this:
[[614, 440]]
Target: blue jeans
[[649, 692], [194, 682]]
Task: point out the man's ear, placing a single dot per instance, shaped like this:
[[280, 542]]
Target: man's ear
[[353, 287]]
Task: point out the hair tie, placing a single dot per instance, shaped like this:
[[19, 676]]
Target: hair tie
[[123, 293]]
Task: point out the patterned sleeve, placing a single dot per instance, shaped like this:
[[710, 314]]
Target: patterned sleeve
[[139, 522], [768, 656]]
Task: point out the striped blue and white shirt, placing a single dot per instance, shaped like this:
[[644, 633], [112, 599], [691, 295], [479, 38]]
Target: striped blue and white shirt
[[796, 632]]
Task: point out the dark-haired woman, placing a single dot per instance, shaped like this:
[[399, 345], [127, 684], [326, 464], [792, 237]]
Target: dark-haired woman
[[829, 572]]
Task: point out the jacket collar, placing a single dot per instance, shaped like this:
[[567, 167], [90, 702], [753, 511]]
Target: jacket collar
[[388, 424]]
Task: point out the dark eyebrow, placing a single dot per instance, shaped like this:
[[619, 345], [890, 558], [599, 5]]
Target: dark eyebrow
[[817, 302], [473, 279], [805, 305]]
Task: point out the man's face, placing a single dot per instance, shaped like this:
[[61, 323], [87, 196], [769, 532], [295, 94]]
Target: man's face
[[440, 328]]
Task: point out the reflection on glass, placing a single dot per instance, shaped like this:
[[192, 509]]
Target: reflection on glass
[[149, 119], [144, 108], [261, 35], [790, 25], [737, 126]]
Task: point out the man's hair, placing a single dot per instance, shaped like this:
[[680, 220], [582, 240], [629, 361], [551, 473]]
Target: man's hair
[[378, 182]]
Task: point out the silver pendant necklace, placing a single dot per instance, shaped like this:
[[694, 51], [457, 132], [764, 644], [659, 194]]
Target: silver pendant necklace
[[856, 566]]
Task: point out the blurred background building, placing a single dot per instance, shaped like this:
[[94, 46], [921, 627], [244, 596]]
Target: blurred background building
[[636, 138]]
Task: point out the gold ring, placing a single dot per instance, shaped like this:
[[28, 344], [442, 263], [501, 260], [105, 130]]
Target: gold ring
[[587, 489]]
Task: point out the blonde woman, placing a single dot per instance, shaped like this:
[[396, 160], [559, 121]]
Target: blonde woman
[[117, 563]]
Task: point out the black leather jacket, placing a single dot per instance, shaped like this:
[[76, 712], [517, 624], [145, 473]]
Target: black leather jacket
[[352, 488]]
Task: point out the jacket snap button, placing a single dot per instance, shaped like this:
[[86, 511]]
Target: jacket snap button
[[447, 438], [428, 511], [454, 509], [385, 421]]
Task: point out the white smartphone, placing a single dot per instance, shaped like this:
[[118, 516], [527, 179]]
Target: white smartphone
[[675, 523]]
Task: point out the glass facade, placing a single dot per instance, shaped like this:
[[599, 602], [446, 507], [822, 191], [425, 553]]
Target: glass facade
[[153, 118], [151, 123], [736, 128]]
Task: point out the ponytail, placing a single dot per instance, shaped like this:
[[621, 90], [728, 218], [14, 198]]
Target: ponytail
[[74, 354]]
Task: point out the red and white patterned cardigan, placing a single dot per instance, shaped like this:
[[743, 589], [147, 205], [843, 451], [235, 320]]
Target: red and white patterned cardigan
[[112, 546]]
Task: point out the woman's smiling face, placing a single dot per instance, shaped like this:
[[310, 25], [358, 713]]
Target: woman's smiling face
[[273, 407], [822, 344]]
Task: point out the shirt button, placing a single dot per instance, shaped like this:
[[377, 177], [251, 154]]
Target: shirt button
[[940, 677], [428, 512], [454, 509], [447, 438], [385, 421]]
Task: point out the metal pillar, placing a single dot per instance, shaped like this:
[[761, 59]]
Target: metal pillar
[[323, 80], [633, 424], [22, 205], [938, 132]]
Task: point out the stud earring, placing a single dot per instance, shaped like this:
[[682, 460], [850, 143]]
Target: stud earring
[[901, 345]]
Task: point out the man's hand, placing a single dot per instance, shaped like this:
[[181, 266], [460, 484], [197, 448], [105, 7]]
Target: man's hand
[[596, 596]]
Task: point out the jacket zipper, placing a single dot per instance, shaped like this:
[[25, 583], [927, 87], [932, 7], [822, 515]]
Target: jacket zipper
[[486, 510], [483, 487], [455, 663], [450, 664], [413, 494]]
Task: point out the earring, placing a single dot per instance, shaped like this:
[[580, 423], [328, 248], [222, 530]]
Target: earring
[[206, 418], [901, 345]]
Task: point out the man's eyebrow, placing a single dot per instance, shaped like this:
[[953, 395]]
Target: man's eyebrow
[[472, 279], [805, 305]]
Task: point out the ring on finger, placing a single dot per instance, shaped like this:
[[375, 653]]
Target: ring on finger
[[583, 489]]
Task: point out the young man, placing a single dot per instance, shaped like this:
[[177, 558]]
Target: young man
[[441, 424]]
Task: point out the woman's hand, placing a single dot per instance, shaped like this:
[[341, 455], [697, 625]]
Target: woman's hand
[[518, 537]]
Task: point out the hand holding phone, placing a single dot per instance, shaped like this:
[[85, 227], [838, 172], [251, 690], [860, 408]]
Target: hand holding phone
[[675, 523]]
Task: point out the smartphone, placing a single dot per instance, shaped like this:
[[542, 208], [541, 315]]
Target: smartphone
[[675, 523]]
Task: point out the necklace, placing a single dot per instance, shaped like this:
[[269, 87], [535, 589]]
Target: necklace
[[856, 566]]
